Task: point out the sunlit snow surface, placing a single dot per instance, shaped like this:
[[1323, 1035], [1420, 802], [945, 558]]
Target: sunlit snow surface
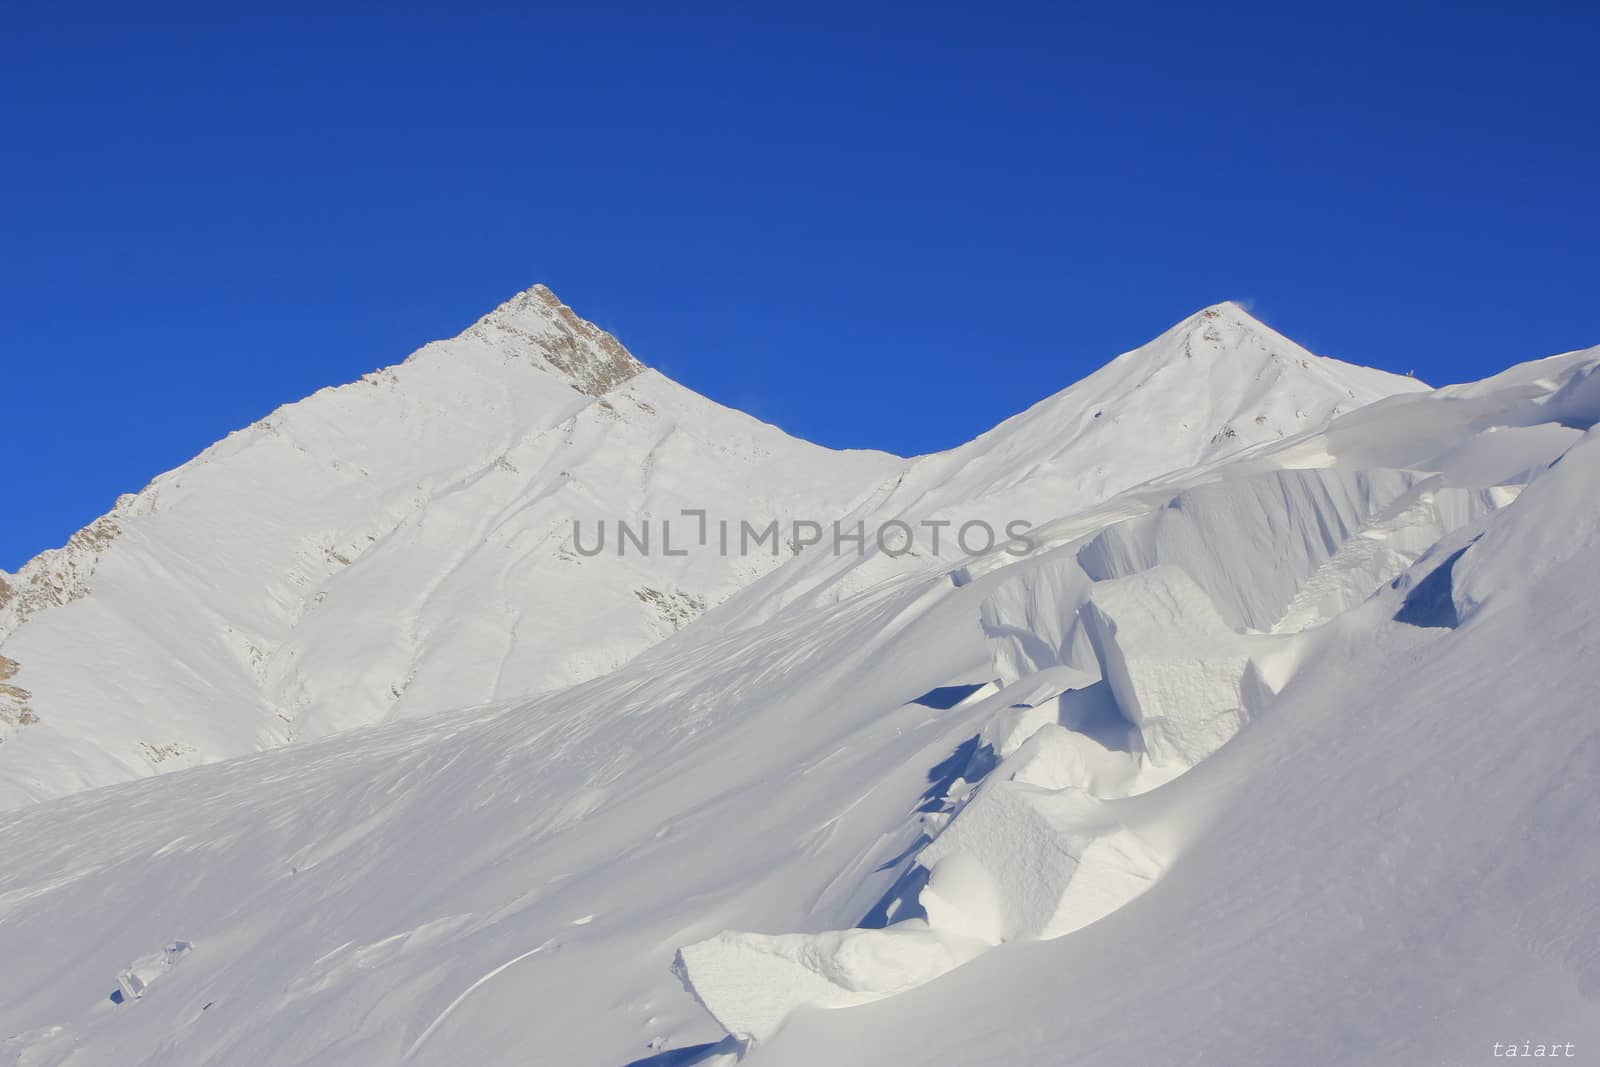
[[1282, 752]]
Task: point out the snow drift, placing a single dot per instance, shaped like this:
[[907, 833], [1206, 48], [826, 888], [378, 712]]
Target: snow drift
[[1280, 749]]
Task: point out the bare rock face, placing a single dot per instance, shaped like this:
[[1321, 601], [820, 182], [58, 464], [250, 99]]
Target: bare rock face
[[675, 608], [593, 360], [55, 577], [14, 710]]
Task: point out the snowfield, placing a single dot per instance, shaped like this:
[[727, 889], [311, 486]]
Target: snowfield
[[1282, 747]]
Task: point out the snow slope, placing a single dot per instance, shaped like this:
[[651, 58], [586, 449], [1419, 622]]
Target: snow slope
[[394, 547], [1284, 757], [405, 544], [1396, 866], [1215, 384]]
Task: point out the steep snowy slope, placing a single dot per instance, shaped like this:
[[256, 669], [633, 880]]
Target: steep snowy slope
[[397, 546], [1397, 866], [406, 544], [1293, 748], [1215, 384]]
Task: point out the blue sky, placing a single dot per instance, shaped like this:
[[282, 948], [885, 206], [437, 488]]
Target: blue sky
[[873, 229]]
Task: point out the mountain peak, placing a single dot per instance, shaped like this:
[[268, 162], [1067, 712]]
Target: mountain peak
[[1225, 309], [593, 360], [1223, 326], [1225, 334], [532, 299]]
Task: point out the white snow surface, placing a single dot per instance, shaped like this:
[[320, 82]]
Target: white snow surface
[[405, 544], [391, 548], [1281, 747]]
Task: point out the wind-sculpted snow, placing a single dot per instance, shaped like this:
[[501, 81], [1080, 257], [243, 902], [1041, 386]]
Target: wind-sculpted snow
[[1383, 549], [1175, 669], [1249, 543], [1192, 795], [1394, 867], [1037, 849], [750, 983]]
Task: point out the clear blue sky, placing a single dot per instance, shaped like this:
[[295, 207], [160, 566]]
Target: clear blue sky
[[873, 229]]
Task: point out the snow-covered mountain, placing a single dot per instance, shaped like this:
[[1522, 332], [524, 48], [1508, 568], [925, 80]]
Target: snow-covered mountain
[[397, 546], [1278, 747], [406, 544]]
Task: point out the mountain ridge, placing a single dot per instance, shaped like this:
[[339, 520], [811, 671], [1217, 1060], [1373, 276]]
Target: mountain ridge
[[306, 574], [1211, 736]]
